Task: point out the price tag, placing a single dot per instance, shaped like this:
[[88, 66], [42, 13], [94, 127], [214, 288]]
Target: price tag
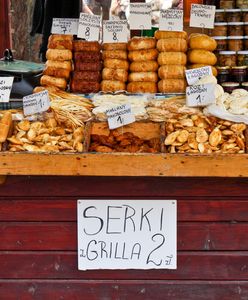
[[36, 103], [200, 95], [89, 27], [5, 88], [65, 26], [171, 20], [115, 32], [140, 16], [119, 116], [202, 16], [194, 75]]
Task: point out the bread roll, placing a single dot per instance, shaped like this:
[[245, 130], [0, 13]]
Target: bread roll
[[142, 87], [53, 81], [143, 55], [87, 56], [116, 64], [144, 66], [67, 65], [119, 54], [87, 76], [60, 44], [202, 57], [60, 37], [57, 54], [80, 45], [88, 66], [51, 71], [114, 46], [85, 87], [114, 74], [143, 76], [172, 86], [196, 66], [5, 124], [170, 34], [112, 86], [141, 43], [172, 58], [202, 41], [172, 72], [172, 44]]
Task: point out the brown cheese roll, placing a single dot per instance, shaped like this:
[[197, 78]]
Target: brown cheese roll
[[116, 64], [172, 86], [172, 72], [142, 87], [87, 76], [59, 64], [143, 55], [143, 76], [172, 58], [87, 56], [114, 74], [57, 54], [53, 81], [141, 43], [60, 44], [63, 73], [112, 86], [114, 46], [144, 66], [172, 44], [85, 87], [119, 54], [88, 66], [160, 34], [60, 37], [205, 57], [79, 45]]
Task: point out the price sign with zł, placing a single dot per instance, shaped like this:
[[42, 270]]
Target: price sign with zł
[[140, 16], [89, 27], [115, 32], [202, 16], [36, 103], [194, 75], [65, 26], [171, 20], [5, 88], [119, 116], [200, 95]]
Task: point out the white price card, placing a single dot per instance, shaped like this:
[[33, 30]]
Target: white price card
[[115, 32], [64, 26], [194, 75], [89, 27], [6, 84], [171, 20], [140, 16], [200, 95], [202, 16], [119, 116], [36, 103]]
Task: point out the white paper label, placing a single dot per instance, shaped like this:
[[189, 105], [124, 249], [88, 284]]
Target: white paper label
[[200, 95], [89, 27], [36, 103], [194, 75], [140, 16], [171, 20], [65, 26], [6, 84], [127, 234], [119, 116], [202, 16], [115, 32]]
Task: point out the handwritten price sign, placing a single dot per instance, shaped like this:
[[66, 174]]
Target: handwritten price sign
[[36, 103], [119, 116], [115, 32], [65, 26], [5, 88], [171, 20], [89, 27], [202, 16], [140, 16], [200, 95]]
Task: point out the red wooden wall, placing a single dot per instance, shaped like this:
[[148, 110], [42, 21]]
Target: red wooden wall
[[38, 240]]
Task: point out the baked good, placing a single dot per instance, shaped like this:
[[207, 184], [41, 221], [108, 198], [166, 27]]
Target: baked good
[[85, 87], [198, 56], [87, 76], [116, 64], [53, 81], [142, 87], [144, 66], [88, 66], [60, 37], [114, 46], [119, 54], [112, 86], [57, 72], [80, 45], [143, 76], [172, 72], [87, 56], [60, 44], [202, 41], [58, 54], [141, 43], [172, 86], [67, 65], [5, 125], [143, 55], [160, 34], [172, 44], [172, 58], [114, 74]]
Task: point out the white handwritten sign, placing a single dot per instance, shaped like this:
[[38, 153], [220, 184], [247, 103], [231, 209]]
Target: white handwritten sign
[[89, 27], [200, 95], [127, 234], [119, 116], [36, 103], [5, 88], [171, 20], [115, 32], [65, 26], [140, 16], [202, 16], [194, 75]]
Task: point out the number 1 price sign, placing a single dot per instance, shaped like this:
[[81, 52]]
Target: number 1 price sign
[[119, 116], [89, 27], [36, 103], [115, 32]]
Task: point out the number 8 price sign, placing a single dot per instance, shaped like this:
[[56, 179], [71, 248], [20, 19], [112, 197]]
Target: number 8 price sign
[[115, 32], [89, 27]]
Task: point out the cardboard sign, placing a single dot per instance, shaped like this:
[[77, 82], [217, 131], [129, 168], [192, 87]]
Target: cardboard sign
[[119, 116], [140, 16], [202, 16], [65, 26], [36, 103], [200, 95], [89, 27], [171, 20], [6, 84], [115, 32], [194, 75], [127, 234]]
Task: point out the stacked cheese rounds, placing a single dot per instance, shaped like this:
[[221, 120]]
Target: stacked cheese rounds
[[143, 55], [201, 52], [59, 61], [172, 60], [86, 77], [115, 72]]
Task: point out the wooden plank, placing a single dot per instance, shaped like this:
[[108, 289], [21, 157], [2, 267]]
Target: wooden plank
[[162, 165], [113, 289], [63, 265]]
